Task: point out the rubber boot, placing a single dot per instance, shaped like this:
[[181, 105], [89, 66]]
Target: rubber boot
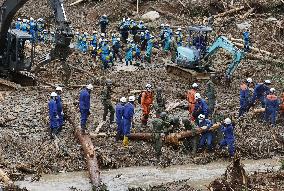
[[125, 142]]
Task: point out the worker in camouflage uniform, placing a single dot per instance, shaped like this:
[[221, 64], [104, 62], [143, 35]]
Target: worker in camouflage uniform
[[211, 95], [106, 101], [175, 124], [160, 128], [173, 48], [160, 104], [192, 142]]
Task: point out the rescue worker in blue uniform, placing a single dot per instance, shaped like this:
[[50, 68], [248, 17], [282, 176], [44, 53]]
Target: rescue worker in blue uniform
[[33, 29], [246, 37], [167, 42], [18, 24], [229, 139], [129, 53], [105, 54], [207, 135], [260, 91], [25, 26], [84, 106], [59, 108], [149, 49], [244, 97], [103, 23], [119, 110], [53, 115], [128, 119], [272, 104], [117, 50], [200, 107], [179, 37]]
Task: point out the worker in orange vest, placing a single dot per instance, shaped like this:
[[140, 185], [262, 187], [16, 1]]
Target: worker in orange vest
[[146, 103], [191, 97]]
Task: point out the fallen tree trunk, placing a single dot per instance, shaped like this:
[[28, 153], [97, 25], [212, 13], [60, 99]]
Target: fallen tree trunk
[[172, 138], [87, 145]]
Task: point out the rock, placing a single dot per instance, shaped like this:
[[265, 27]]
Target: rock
[[151, 15]]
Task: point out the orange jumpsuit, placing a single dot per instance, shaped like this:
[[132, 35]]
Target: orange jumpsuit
[[146, 101], [191, 100]]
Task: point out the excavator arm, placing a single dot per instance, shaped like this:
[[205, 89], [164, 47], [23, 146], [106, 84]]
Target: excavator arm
[[63, 33], [238, 55]]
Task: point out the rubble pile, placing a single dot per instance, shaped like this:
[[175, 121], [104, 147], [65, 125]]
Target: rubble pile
[[25, 145]]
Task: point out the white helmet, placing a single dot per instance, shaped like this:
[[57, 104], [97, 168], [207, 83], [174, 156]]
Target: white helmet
[[249, 80], [123, 100], [53, 94], [24, 20], [142, 33], [58, 88], [85, 33], [31, 19], [176, 32], [95, 32], [90, 87], [194, 85], [197, 96], [167, 25], [272, 90], [179, 29], [148, 86], [162, 25], [77, 33], [52, 32], [19, 19], [201, 116], [146, 31], [103, 34], [227, 121], [267, 81], [131, 98]]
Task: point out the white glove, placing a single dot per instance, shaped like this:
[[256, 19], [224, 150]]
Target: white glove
[[57, 117], [62, 113]]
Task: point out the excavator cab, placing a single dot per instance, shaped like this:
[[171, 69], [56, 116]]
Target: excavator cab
[[20, 51], [190, 56]]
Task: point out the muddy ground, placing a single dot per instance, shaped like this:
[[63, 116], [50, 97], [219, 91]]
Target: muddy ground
[[25, 145]]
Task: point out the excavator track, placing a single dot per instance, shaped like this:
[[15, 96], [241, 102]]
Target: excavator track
[[16, 80], [189, 74]]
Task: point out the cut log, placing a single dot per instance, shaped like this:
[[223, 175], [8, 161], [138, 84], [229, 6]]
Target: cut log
[[172, 106], [87, 145], [231, 11]]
